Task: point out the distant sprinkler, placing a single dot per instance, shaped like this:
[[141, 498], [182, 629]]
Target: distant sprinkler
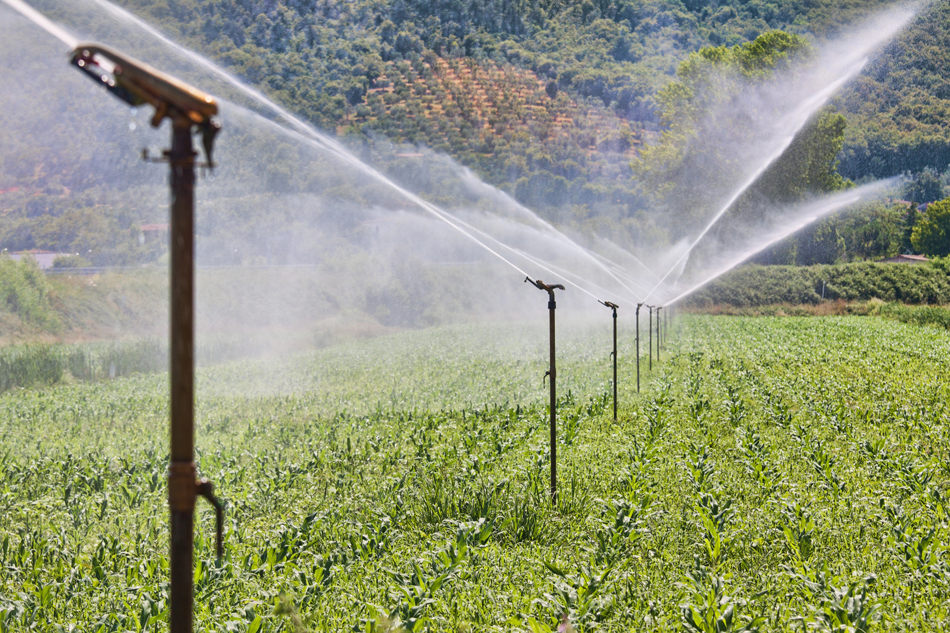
[[658, 339], [613, 307], [639, 305], [650, 336], [188, 108], [552, 375]]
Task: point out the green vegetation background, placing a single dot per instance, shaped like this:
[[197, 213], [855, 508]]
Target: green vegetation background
[[550, 101]]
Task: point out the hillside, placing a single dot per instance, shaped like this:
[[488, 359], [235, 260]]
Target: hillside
[[548, 101]]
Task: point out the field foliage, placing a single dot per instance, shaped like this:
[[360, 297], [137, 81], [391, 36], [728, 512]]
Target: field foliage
[[774, 474]]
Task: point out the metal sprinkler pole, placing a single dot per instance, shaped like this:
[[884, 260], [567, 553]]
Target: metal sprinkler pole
[[613, 307], [639, 305], [552, 374], [183, 485], [181, 471], [650, 336], [138, 84], [658, 339]]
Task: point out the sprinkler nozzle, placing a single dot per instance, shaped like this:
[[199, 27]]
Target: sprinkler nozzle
[[609, 304], [540, 285], [137, 84]]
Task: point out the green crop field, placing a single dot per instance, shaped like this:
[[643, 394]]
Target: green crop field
[[775, 473]]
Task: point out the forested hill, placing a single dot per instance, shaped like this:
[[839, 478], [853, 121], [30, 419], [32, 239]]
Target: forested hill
[[547, 98], [551, 101]]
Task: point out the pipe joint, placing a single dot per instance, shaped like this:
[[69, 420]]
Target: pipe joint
[[182, 489]]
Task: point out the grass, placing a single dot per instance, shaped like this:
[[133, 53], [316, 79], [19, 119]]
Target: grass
[[776, 473]]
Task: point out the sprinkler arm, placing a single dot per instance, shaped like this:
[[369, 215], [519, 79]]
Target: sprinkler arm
[[137, 84], [540, 285], [613, 306]]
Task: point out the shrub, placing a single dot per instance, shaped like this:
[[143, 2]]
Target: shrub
[[25, 292], [755, 285]]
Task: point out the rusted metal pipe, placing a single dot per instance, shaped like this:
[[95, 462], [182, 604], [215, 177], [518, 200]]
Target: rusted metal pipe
[[613, 307], [187, 107], [181, 471], [552, 375]]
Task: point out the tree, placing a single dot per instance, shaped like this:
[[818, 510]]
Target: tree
[[931, 234], [703, 153], [924, 187]]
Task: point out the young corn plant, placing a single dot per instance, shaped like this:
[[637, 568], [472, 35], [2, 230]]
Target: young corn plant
[[709, 609], [916, 546], [416, 591], [735, 406], [714, 514], [799, 531], [755, 457], [622, 525], [838, 605], [578, 599], [699, 467]]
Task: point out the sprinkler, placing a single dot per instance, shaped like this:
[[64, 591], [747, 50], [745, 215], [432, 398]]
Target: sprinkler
[[650, 336], [639, 305], [667, 319], [138, 84], [614, 306], [658, 339], [552, 374]]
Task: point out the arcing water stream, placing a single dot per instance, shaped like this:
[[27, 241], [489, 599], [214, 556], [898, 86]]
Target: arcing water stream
[[788, 112], [43, 22], [332, 146], [304, 132], [792, 220], [834, 67]]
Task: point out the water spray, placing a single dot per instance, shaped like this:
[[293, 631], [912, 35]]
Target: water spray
[[613, 307], [552, 374], [138, 84]]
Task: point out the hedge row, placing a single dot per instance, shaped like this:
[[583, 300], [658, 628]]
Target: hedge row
[[755, 285]]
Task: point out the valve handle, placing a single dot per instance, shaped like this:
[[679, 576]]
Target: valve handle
[[206, 489]]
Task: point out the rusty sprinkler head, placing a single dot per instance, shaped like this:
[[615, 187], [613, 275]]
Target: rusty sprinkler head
[[540, 285], [137, 83]]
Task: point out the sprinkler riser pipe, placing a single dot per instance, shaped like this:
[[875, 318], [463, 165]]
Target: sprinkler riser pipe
[[181, 482], [615, 364], [553, 376], [650, 336], [613, 308], [638, 346]]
